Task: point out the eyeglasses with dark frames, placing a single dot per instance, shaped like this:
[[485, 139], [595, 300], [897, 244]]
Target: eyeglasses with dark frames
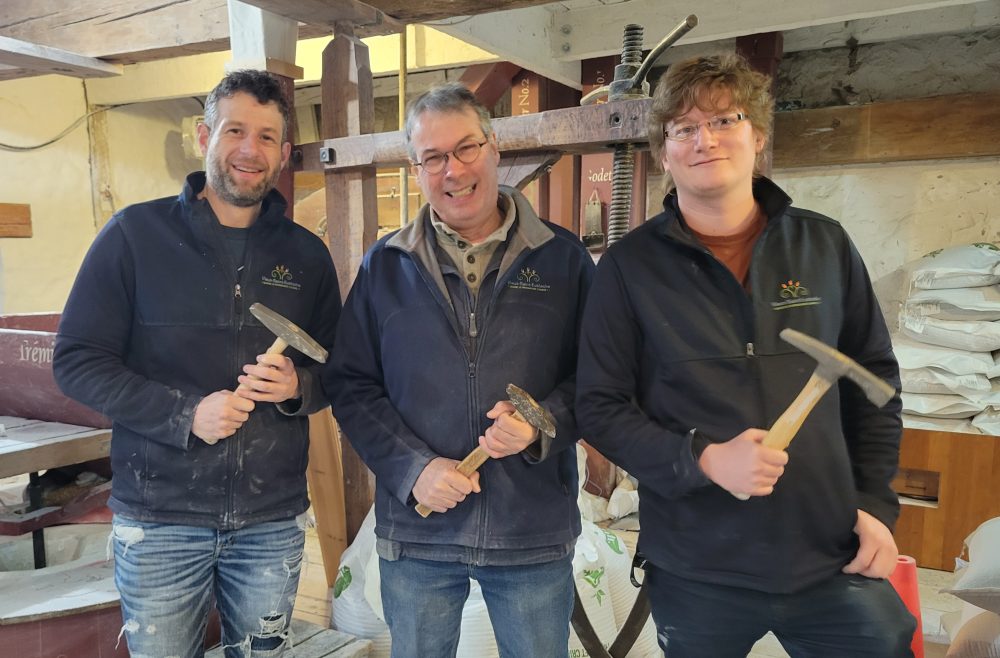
[[466, 153]]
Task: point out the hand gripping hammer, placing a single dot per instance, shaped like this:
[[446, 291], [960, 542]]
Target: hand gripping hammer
[[287, 334], [831, 365], [526, 410]]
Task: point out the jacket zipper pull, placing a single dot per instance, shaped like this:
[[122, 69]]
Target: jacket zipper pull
[[750, 351], [237, 298], [473, 330]]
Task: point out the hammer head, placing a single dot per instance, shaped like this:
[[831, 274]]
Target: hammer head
[[534, 414], [289, 332], [833, 364]]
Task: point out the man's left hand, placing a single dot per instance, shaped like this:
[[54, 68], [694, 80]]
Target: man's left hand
[[507, 435], [877, 555], [271, 379]]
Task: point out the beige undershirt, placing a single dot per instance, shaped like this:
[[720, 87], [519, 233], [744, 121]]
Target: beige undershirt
[[472, 259]]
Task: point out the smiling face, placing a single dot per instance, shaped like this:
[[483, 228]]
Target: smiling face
[[244, 152], [463, 196], [712, 164]]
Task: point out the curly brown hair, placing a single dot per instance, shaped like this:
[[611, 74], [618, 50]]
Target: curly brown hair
[[700, 81]]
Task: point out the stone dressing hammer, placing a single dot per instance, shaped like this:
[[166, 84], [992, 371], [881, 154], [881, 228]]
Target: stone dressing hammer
[[831, 365], [287, 334], [526, 410]]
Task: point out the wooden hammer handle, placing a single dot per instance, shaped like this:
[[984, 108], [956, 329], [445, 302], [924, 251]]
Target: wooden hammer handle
[[466, 467], [277, 347], [787, 426], [789, 422]]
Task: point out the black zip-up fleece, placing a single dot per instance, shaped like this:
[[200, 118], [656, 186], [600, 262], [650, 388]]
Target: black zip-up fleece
[[675, 353], [157, 319]]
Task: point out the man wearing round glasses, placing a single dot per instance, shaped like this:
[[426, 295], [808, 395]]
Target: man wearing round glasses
[[475, 293], [681, 365]]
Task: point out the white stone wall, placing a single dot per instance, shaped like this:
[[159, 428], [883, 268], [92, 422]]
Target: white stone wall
[[910, 68], [895, 213]]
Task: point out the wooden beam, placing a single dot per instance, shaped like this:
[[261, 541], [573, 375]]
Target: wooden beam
[[124, 31], [351, 211], [522, 36], [44, 59], [489, 82], [597, 30], [432, 10], [573, 130], [883, 132], [366, 18], [764, 52], [326, 489], [959, 126], [262, 40], [15, 220]]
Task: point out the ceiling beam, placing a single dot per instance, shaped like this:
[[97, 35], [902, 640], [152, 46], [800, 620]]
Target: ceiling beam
[[597, 31], [522, 36], [44, 59], [125, 31], [367, 20], [409, 11]]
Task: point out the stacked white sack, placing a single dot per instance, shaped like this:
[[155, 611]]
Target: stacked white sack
[[949, 351]]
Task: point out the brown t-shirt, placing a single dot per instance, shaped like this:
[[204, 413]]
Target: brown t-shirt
[[735, 251]]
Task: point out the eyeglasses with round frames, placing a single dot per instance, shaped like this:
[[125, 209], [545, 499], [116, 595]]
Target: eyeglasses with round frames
[[685, 131], [466, 153]]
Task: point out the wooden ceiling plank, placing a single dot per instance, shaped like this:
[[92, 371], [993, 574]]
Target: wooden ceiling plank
[[44, 59], [368, 21], [522, 36], [596, 31], [409, 11]]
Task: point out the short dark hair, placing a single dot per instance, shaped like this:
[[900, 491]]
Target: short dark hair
[[448, 97], [684, 84], [260, 84]]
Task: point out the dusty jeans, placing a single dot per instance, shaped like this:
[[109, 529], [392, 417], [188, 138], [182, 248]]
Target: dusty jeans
[[167, 576]]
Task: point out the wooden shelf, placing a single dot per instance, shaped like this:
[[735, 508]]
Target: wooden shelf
[[963, 470]]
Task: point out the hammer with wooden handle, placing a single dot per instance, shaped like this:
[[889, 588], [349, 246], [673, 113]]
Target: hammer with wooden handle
[[831, 365], [527, 410], [287, 334]]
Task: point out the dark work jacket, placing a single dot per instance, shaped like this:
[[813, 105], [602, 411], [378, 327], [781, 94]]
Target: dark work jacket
[[675, 353], [412, 380], [157, 319]]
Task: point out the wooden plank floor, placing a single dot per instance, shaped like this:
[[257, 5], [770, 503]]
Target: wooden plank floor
[[313, 601]]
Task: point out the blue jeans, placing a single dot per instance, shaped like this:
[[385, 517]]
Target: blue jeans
[[529, 606], [167, 576], [847, 615]]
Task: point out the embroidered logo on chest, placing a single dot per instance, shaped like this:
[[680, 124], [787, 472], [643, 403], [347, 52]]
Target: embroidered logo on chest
[[792, 294], [528, 279], [280, 277]]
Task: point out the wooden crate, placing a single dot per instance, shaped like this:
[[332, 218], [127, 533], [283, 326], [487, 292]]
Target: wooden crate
[[963, 472]]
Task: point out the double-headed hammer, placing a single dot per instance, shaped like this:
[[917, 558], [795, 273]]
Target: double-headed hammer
[[287, 334], [831, 365], [527, 410]]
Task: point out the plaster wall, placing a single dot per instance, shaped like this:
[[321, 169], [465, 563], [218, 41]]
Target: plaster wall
[[145, 155], [896, 213], [36, 273]]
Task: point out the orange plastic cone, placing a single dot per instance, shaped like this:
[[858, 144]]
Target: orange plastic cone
[[904, 579]]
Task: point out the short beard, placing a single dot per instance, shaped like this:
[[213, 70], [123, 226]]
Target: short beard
[[226, 188]]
